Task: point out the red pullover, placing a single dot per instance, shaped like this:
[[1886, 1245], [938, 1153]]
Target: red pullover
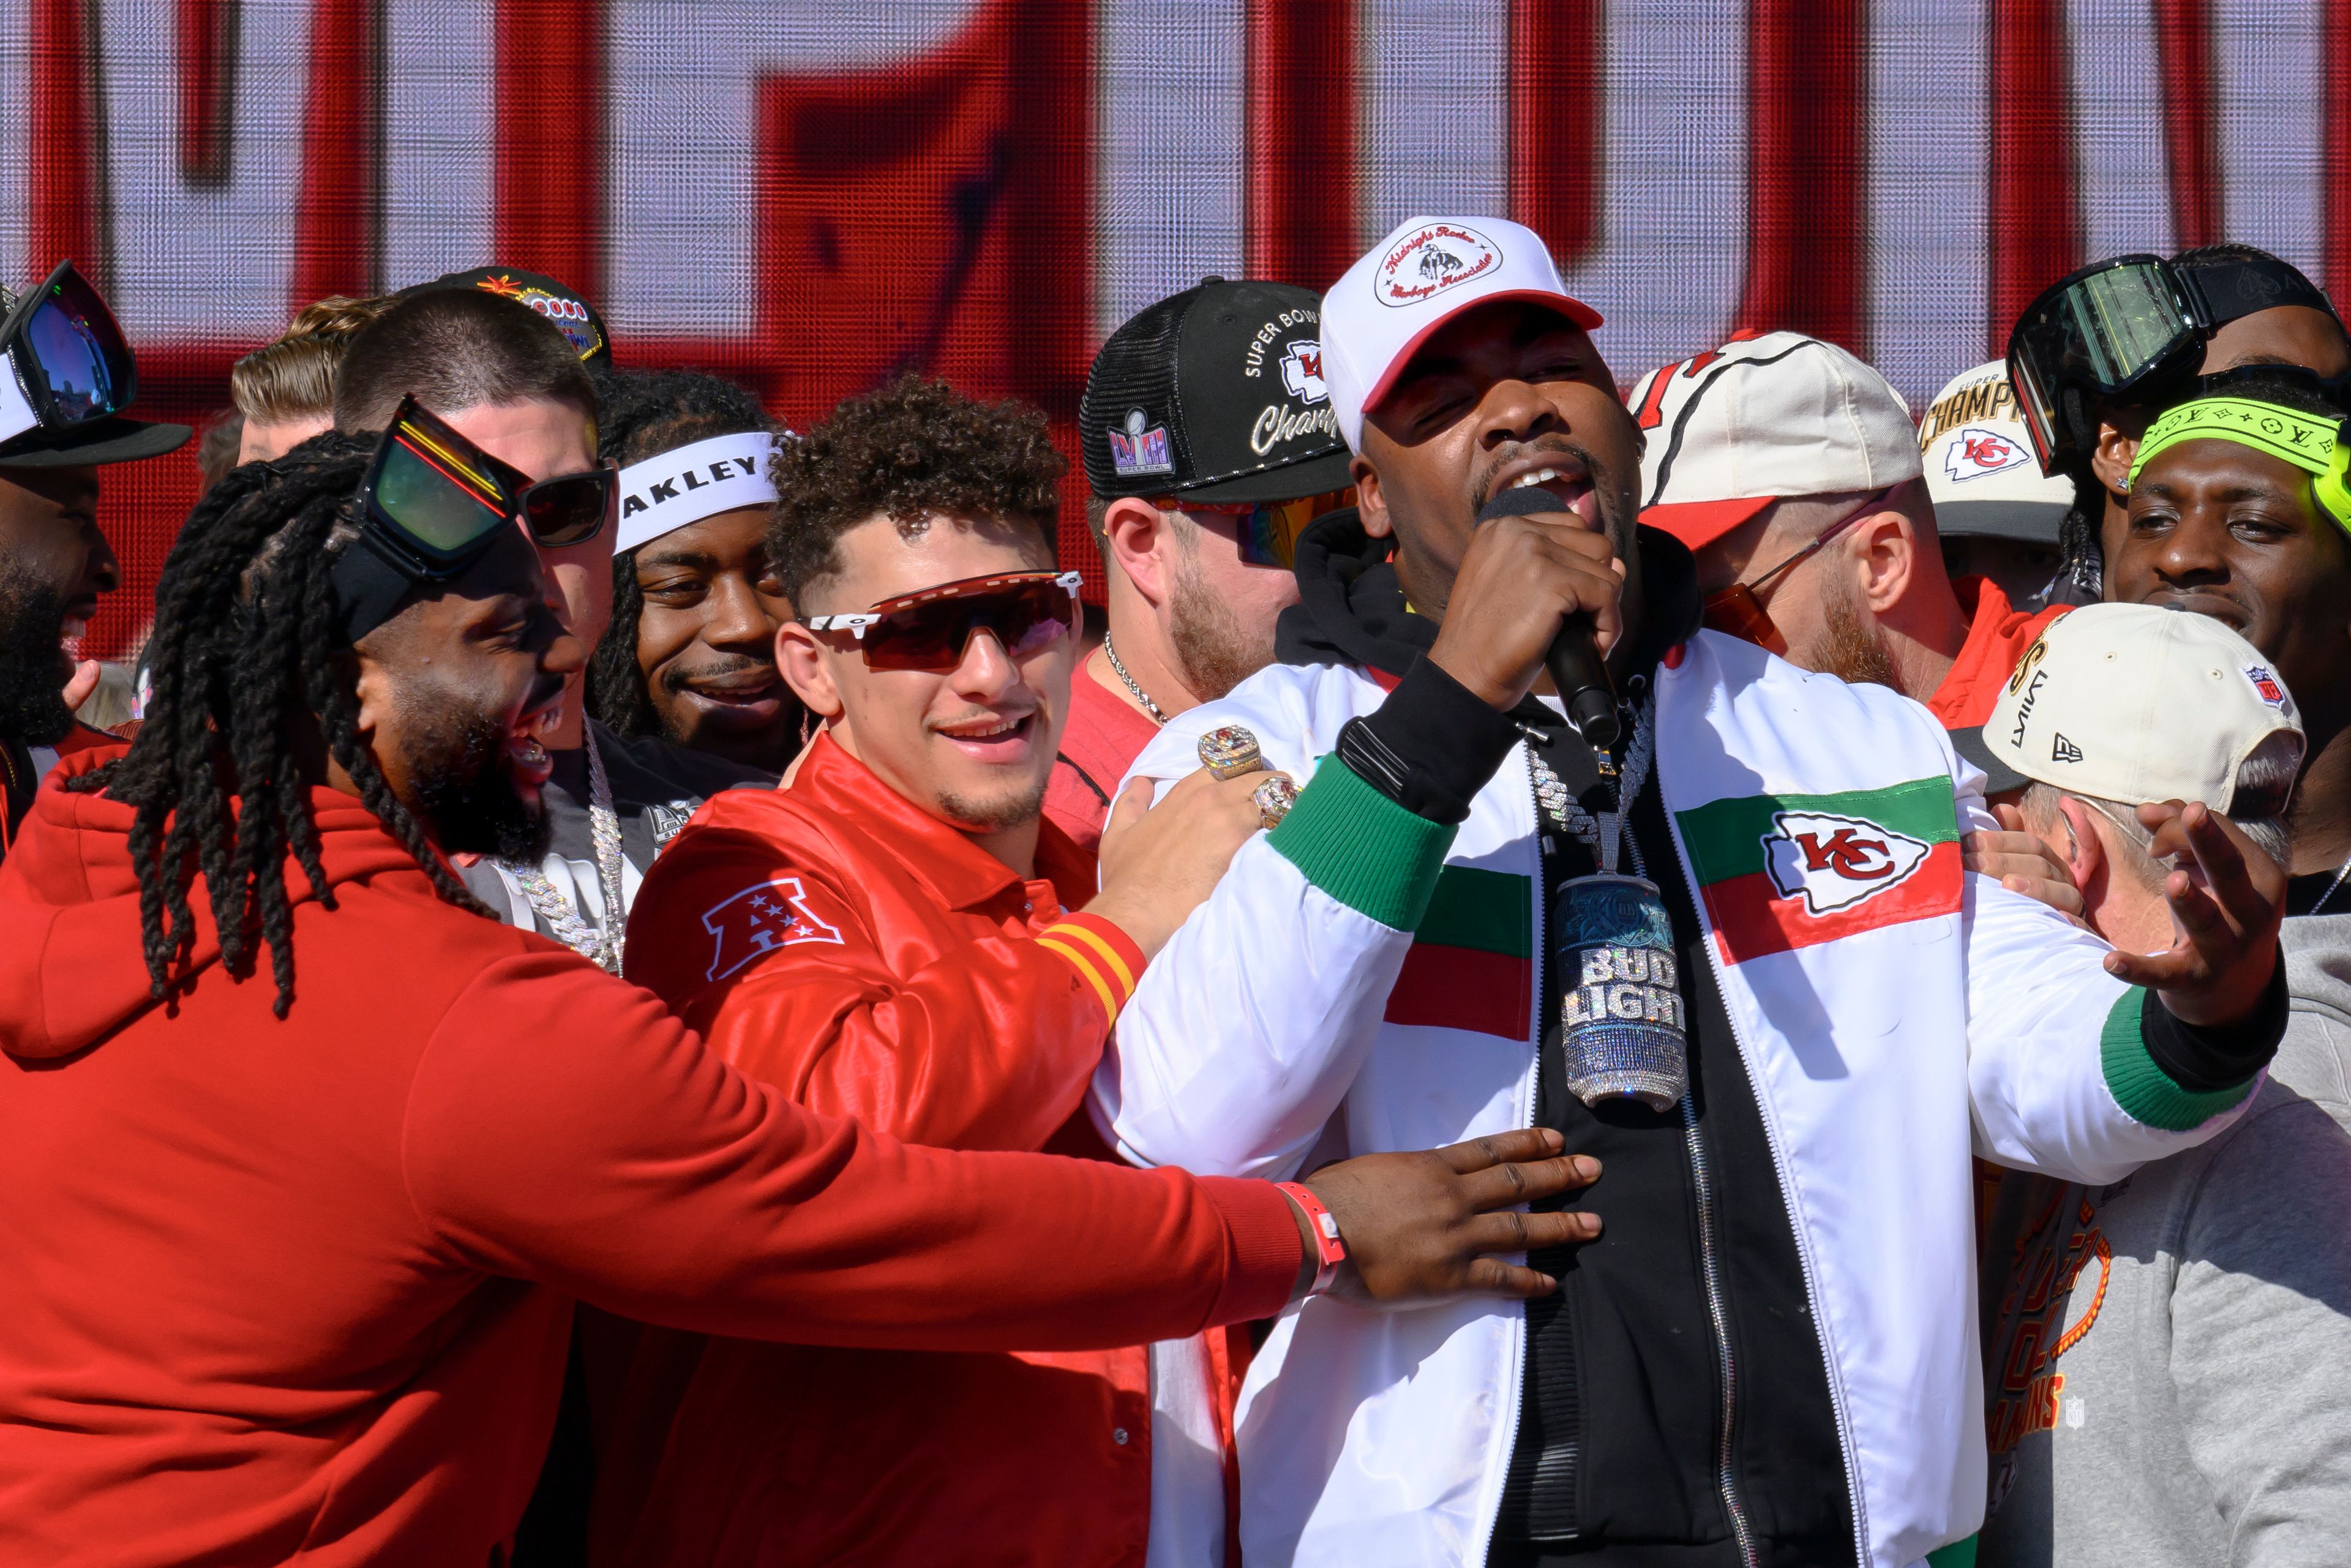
[[303, 1289], [917, 983]]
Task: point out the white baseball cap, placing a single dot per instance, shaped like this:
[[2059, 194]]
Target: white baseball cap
[[1981, 471], [2135, 703], [1758, 420], [1424, 273]]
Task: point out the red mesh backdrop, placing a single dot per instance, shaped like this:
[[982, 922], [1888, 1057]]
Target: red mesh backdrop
[[811, 193]]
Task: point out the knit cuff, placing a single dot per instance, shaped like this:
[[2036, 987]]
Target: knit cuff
[[1362, 848], [1431, 746], [1104, 956], [1264, 1253], [2149, 1094]]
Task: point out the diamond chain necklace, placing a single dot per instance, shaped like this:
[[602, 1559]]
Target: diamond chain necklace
[[600, 942], [1120, 670], [1605, 833]]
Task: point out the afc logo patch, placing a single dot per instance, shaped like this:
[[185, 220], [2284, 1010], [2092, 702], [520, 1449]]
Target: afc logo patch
[[757, 921]]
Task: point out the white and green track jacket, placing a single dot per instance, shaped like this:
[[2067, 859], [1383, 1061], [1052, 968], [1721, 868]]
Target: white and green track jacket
[[1361, 980]]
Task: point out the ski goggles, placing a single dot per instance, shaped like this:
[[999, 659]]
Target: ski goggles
[[1268, 529], [432, 503], [65, 363], [2129, 330], [1738, 611], [2319, 445], [1027, 612]]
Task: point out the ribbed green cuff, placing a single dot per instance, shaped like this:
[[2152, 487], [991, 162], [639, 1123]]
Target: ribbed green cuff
[[1958, 1554], [1361, 848], [2144, 1091]]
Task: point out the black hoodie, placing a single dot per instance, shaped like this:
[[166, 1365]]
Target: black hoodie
[[1622, 1456]]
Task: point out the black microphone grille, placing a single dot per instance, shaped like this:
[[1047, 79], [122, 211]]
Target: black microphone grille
[[1524, 501]]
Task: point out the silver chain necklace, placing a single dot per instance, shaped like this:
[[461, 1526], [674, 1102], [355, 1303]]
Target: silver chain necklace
[[2332, 887], [1604, 834], [602, 941], [1139, 695]]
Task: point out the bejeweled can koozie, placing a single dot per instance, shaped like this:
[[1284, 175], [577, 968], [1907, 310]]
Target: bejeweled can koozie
[[1623, 1031]]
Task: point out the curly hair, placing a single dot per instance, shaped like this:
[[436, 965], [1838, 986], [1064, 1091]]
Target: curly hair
[[294, 378], [247, 647], [647, 413], [910, 449]]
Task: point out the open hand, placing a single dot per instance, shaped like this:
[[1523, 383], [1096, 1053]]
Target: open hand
[[1426, 1227], [2225, 909], [1159, 863]]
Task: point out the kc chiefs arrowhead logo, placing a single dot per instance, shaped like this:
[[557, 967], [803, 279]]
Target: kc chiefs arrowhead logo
[[1833, 862], [757, 921]]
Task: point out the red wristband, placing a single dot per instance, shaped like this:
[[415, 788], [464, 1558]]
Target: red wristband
[[1330, 1250]]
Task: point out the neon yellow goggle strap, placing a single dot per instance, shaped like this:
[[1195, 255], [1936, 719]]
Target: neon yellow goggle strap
[[2309, 442]]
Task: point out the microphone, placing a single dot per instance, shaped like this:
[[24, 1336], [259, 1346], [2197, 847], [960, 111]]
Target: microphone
[[1574, 662]]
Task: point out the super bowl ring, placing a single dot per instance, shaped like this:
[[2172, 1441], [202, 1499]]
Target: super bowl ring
[[1273, 799], [1229, 751]]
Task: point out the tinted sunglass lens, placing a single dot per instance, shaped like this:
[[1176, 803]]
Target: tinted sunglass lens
[[74, 361], [1036, 620], [568, 510], [429, 503]]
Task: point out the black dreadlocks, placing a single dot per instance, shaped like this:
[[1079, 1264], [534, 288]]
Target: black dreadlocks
[[645, 413], [246, 654]]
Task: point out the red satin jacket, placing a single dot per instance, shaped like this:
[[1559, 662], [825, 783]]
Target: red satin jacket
[[873, 962]]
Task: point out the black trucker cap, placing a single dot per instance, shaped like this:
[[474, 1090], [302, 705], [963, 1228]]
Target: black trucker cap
[[1215, 395], [559, 303]]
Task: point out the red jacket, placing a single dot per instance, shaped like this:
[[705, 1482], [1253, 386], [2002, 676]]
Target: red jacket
[[303, 1289], [923, 987], [1998, 635]]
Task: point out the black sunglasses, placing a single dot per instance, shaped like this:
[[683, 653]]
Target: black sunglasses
[[432, 503], [71, 364]]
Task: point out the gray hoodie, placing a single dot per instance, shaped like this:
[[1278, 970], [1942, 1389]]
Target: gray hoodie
[[2167, 1360]]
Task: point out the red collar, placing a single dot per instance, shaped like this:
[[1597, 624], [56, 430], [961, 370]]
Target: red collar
[[939, 855], [1998, 635]]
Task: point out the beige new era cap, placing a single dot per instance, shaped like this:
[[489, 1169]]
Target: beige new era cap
[[2135, 703], [1981, 471], [1738, 427]]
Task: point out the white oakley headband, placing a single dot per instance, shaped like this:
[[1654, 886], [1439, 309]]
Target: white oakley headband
[[667, 491]]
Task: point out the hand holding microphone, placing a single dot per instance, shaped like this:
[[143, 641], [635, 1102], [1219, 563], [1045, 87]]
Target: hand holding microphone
[[1533, 596]]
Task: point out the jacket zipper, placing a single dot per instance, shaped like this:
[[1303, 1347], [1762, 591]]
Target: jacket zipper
[[1711, 1267], [1795, 1224]]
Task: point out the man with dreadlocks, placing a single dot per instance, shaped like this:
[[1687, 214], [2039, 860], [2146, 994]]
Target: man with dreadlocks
[[366, 1190], [690, 656], [500, 372]]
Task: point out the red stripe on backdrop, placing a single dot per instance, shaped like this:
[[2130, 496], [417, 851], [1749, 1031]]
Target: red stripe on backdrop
[[2183, 42], [1806, 80], [1557, 57], [335, 210], [2034, 232], [203, 31], [2334, 80], [1299, 133], [551, 141], [67, 217]]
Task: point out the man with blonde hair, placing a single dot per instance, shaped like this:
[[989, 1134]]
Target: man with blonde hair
[[285, 391]]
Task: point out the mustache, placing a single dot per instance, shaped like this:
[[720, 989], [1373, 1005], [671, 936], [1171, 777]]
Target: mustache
[[1614, 520], [674, 679]]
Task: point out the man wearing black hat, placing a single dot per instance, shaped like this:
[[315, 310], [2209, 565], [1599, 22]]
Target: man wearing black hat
[[66, 373], [1209, 444]]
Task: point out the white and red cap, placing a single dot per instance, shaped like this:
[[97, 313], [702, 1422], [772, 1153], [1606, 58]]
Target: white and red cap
[[1759, 419], [1424, 273]]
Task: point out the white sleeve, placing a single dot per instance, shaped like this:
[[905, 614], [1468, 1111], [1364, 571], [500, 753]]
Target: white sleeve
[[2059, 1078], [1247, 1028]]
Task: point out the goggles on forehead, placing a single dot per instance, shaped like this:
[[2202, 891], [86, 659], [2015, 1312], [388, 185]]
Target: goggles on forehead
[[432, 503], [1268, 529], [928, 629], [1738, 611], [2320, 445], [64, 363], [2132, 330]]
